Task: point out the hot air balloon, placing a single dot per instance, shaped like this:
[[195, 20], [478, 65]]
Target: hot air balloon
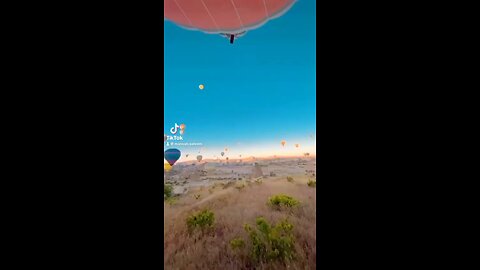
[[167, 167], [186, 155], [226, 149], [283, 143], [222, 153], [297, 145], [172, 155], [230, 19], [182, 128], [199, 158]]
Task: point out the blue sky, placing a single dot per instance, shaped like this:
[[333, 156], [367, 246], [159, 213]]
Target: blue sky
[[258, 91]]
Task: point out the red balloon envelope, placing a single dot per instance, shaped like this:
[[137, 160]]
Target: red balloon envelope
[[231, 18]]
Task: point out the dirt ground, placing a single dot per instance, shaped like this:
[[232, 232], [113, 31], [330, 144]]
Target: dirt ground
[[234, 206]]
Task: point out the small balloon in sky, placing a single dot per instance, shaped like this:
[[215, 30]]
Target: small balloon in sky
[[172, 155], [201, 87]]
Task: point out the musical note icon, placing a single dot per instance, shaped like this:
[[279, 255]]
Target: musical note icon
[[174, 129]]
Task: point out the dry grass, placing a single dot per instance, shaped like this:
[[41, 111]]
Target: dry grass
[[232, 210]]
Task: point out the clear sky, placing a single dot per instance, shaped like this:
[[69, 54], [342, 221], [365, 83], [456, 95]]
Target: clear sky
[[258, 91]]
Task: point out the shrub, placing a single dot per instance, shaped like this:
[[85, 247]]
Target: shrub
[[258, 181], [167, 191], [282, 200], [229, 184], [197, 196], [240, 187], [289, 179], [312, 183], [271, 242], [237, 243], [171, 200], [202, 220]]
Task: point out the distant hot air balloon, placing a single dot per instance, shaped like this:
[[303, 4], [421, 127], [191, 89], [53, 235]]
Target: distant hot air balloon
[[230, 19], [226, 149], [167, 167], [222, 153], [297, 145], [172, 155], [186, 155], [182, 128], [201, 86], [283, 143], [199, 158], [240, 155]]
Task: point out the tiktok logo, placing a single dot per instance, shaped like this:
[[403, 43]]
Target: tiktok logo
[[174, 129]]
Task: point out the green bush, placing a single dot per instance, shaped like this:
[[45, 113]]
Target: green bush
[[171, 200], [167, 191], [312, 183], [271, 242], [201, 220], [237, 243], [282, 200], [289, 179]]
